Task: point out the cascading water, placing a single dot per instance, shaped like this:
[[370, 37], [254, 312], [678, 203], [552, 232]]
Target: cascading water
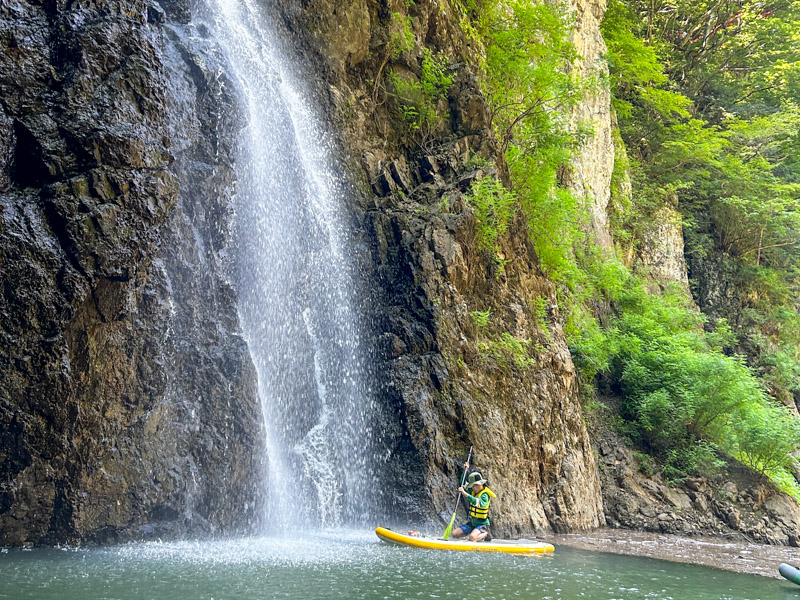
[[295, 284]]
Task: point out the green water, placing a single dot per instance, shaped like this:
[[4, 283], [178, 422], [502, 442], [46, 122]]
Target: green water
[[357, 566]]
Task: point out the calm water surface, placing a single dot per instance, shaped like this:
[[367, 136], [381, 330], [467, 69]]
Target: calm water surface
[[355, 565]]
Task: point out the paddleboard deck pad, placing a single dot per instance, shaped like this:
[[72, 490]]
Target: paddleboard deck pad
[[789, 572], [508, 546]]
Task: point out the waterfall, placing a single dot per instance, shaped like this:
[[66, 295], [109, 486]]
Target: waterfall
[[295, 281]]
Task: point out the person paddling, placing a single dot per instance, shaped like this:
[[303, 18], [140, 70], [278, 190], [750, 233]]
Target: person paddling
[[479, 499]]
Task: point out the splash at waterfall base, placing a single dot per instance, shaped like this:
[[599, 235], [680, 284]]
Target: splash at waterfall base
[[356, 565]]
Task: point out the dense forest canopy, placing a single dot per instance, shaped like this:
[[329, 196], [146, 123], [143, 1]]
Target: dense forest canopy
[[706, 94], [706, 98]]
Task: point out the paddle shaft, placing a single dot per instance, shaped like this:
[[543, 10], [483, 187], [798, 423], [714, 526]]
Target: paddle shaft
[[463, 476]]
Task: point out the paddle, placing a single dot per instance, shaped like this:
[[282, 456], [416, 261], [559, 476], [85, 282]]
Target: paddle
[[449, 529]]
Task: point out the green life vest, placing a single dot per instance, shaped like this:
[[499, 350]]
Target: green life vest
[[475, 511]]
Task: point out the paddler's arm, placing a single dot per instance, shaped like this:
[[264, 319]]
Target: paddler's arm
[[481, 501], [472, 499]]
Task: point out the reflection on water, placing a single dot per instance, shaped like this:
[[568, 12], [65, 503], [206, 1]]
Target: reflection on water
[[355, 565]]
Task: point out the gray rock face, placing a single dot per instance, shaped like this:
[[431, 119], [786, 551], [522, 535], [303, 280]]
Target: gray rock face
[[589, 175], [740, 505], [661, 252], [127, 397]]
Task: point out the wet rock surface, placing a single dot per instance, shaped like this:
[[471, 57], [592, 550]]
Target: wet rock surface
[[127, 397]]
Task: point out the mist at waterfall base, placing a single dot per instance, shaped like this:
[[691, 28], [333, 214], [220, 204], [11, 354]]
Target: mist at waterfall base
[[296, 281], [355, 565]]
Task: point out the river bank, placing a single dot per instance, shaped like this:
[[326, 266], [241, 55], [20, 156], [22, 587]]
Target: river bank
[[736, 556]]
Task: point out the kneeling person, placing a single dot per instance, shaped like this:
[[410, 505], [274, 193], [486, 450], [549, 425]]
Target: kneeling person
[[479, 499]]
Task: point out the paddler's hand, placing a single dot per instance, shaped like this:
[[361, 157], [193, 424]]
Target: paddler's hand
[[466, 465], [462, 491]]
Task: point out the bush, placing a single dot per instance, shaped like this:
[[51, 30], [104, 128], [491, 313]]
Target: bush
[[507, 347], [480, 317], [698, 457], [418, 99], [684, 397], [766, 436], [494, 208]]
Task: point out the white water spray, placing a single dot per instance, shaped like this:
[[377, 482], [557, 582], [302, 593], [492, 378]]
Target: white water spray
[[295, 285]]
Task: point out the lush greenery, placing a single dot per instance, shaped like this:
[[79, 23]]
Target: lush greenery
[[683, 398], [420, 93], [705, 97], [494, 207], [418, 98], [531, 91]]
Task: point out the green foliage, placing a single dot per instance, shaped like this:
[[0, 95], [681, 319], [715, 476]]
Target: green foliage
[[698, 457], [723, 153], [435, 80], [494, 208], [592, 349], [766, 436], [646, 464], [682, 398], [476, 161], [480, 317], [786, 482], [401, 37], [507, 348], [531, 88], [781, 368], [526, 73], [706, 98], [636, 75], [418, 99]]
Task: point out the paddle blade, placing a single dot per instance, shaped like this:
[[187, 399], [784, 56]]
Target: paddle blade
[[449, 529]]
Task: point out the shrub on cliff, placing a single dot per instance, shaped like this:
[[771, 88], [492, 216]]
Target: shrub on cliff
[[494, 208], [682, 397]]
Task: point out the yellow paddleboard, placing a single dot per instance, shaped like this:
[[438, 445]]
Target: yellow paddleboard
[[509, 546]]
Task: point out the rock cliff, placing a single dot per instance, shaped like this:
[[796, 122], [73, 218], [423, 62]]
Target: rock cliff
[[452, 377], [589, 175], [127, 397]]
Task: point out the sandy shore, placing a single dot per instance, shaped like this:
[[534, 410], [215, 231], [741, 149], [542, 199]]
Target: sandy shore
[[741, 557]]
